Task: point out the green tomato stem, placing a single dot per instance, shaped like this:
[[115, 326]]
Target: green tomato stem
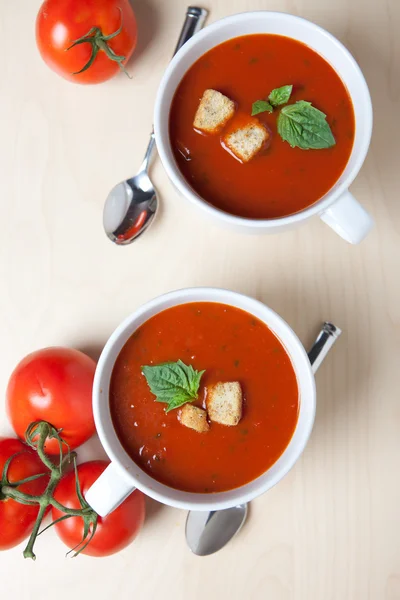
[[28, 479], [99, 41], [10, 492], [72, 512], [44, 434], [28, 552]]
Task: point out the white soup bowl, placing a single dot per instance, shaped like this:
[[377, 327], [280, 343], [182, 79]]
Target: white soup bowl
[[123, 475], [338, 207]]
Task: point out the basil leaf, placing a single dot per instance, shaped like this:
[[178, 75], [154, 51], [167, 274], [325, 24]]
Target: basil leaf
[[176, 402], [280, 95], [277, 97], [304, 126], [193, 377], [173, 383], [260, 106]]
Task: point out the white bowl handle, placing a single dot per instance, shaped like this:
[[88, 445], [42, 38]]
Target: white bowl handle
[[348, 218], [109, 491]]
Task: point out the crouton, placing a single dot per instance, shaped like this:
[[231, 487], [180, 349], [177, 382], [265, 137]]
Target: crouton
[[224, 402], [193, 417], [245, 142], [214, 112]]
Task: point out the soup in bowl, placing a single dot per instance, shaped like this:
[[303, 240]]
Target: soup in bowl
[[203, 399], [264, 120]]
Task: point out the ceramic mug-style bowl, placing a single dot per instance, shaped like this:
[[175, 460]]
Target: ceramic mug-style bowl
[[338, 208], [123, 475]]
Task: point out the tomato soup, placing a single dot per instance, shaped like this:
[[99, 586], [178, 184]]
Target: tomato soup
[[230, 345], [280, 180]]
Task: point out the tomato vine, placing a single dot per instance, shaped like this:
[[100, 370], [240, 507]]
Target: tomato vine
[[36, 436]]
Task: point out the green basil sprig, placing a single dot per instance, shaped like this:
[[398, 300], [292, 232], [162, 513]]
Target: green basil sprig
[[300, 124], [173, 383]]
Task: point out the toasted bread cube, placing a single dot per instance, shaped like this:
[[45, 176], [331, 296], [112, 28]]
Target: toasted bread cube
[[224, 402], [247, 141], [193, 417], [214, 112]]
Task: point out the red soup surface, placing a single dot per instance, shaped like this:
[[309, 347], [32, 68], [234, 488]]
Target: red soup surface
[[231, 345], [280, 180]]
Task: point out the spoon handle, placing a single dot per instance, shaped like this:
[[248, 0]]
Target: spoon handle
[[149, 151], [194, 21], [324, 342]]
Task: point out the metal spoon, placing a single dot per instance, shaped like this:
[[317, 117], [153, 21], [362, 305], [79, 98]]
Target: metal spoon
[[209, 531], [132, 204]]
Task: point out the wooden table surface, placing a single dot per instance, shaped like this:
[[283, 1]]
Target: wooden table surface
[[331, 529]]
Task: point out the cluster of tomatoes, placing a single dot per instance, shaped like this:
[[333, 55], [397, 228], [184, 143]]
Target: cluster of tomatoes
[[55, 385]]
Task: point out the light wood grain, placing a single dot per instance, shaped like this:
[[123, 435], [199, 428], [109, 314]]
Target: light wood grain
[[331, 529]]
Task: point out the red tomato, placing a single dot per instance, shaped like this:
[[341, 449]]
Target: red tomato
[[16, 520], [61, 22], [113, 532], [54, 385]]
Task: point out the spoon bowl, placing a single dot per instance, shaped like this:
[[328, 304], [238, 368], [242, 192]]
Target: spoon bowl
[[131, 205], [208, 532]]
